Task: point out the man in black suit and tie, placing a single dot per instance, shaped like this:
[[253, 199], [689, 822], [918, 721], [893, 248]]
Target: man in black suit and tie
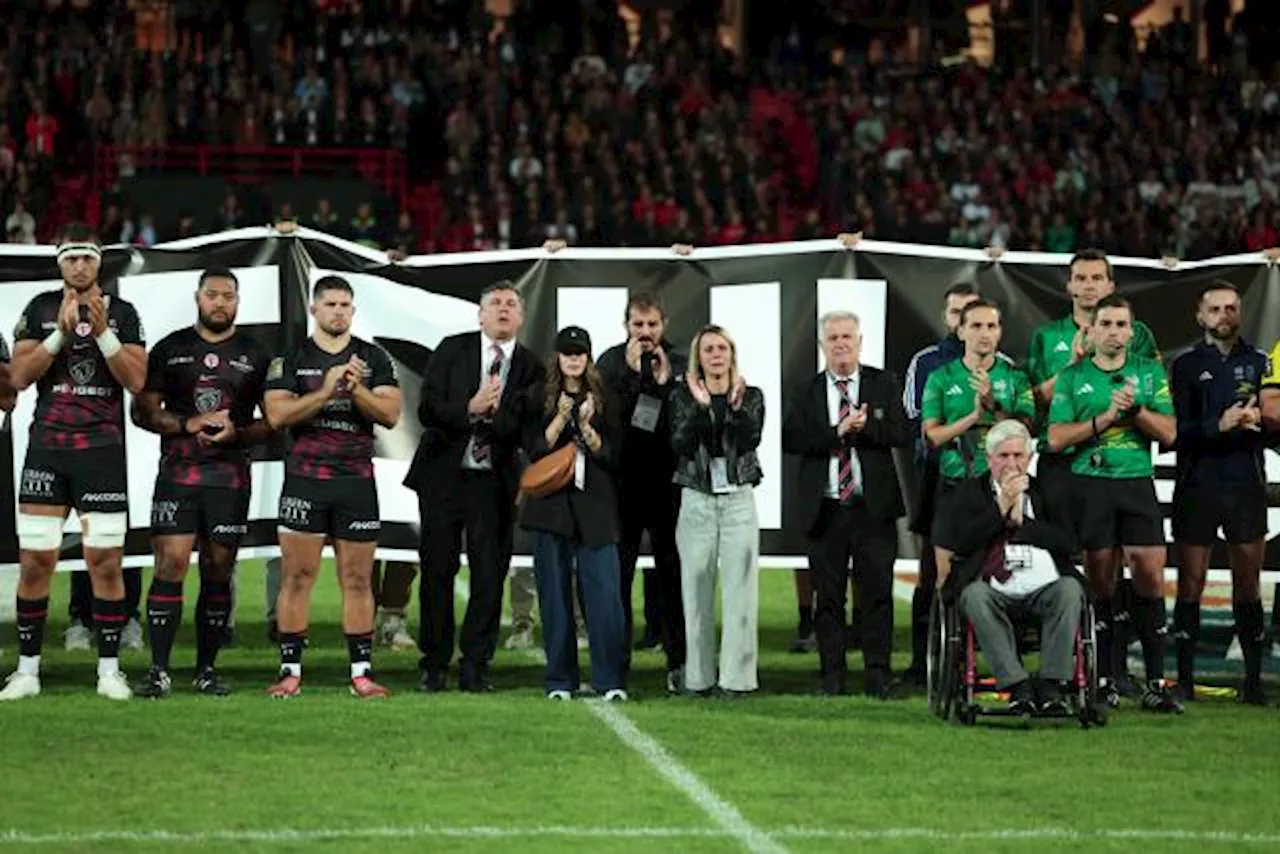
[[1012, 552], [466, 477], [844, 426]]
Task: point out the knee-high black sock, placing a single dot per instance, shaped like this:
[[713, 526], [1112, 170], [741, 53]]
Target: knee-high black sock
[[921, 604], [360, 648], [1253, 636], [291, 644], [32, 614], [1104, 625], [213, 609], [1149, 621], [1186, 635], [164, 615], [805, 614], [1123, 630], [109, 616]]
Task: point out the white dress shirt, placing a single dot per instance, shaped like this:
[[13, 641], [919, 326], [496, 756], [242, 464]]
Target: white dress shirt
[[1031, 568], [833, 418]]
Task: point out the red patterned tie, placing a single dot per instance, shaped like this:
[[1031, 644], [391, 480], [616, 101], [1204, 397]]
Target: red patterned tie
[[480, 439], [847, 483]]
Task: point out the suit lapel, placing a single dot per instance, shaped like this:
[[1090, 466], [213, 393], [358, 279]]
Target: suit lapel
[[820, 399], [472, 364]]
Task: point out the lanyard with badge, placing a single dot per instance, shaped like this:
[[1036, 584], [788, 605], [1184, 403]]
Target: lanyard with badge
[[648, 408]]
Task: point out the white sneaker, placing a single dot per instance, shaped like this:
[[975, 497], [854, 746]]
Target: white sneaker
[[114, 686], [19, 686], [615, 695], [77, 638], [395, 633], [559, 695], [520, 640], [131, 637]]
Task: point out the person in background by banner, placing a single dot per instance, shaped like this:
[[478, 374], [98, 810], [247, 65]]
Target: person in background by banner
[[1269, 402], [919, 369], [963, 398], [330, 394], [1109, 408], [642, 372], [716, 423], [844, 425], [576, 528], [464, 471], [1054, 347], [82, 349], [203, 385], [79, 632], [1221, 481], [392, 589]]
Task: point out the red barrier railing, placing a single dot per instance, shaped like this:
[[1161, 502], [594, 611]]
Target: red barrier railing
[[383, 168]]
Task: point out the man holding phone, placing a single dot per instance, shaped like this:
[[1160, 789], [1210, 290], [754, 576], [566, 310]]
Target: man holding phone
[[1109, 408]]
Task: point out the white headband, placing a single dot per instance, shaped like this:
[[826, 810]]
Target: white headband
[[71, 250]]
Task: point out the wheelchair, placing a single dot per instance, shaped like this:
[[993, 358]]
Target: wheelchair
[[954, 683]]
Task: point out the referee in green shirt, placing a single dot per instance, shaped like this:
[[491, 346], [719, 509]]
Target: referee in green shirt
[[963, 399], [1109, 408]]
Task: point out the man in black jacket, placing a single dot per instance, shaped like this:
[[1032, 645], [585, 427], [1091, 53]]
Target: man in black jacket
[[844, 425], [466, 477], [642, 373], [1013, 557]]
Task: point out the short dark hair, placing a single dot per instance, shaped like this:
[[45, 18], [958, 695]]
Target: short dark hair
[[1091, 255], [331, 283], [77, 232], [643, 301], [500, 285], [1217, 285], [218, 273], [961, 289], [977, 304], [1112, 301]]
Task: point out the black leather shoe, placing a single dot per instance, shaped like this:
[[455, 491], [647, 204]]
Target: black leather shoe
[[474, 680], [833, 688], [881, 685], [432, 682], [1022, 699]]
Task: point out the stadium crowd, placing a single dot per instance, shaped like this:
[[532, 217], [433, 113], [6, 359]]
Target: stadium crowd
[[535, 132]]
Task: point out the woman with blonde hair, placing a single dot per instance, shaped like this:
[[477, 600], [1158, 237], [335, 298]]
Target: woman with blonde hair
[[575, 529], [716, 421]]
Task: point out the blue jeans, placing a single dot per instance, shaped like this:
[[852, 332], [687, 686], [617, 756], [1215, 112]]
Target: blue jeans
[[555, 559]]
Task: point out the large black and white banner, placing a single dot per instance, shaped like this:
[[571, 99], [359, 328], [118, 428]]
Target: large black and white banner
[[769, 297]]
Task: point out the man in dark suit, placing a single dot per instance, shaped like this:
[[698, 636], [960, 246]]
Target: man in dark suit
[[1013, 552], [844, 426], [466, 477]]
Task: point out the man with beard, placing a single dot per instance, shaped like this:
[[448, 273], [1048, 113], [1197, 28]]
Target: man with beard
[[330, 394], [1221, 482], [82, 349], [642, 373], [1109, 408], [203, 385]]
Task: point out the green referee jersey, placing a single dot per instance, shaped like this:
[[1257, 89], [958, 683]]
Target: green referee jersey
[[948, 397], [1084, 390], [1050, 348]]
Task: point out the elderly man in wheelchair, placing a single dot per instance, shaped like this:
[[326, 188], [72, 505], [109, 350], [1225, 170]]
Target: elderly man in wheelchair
[[1012, 564]]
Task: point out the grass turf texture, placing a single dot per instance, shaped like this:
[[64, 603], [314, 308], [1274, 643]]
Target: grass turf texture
[[512, 771]]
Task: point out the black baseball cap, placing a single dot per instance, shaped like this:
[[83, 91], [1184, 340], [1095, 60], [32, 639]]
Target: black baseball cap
[[573, 340]]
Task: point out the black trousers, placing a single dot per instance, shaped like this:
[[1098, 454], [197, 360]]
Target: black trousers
[[480, 506], [848, 539], [653, 507]]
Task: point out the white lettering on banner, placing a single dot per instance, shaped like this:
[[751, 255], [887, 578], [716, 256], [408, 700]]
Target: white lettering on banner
[[867, 298], [164, 307], [752, 314], [598, 310]]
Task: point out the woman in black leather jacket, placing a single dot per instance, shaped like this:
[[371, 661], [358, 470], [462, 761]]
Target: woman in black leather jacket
[[716, 421]]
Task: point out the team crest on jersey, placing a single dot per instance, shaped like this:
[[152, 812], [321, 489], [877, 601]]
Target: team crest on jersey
[[83, 371], [276, 369], [211, 360], [83, 329], [208, 399], [21, 328]]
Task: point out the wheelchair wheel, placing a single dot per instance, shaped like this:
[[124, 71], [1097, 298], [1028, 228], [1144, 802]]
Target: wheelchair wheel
[[942, 661], [1088, 698]]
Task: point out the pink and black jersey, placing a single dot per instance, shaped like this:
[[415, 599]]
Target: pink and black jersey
[[338, 442], [79, 403], [195, 377]]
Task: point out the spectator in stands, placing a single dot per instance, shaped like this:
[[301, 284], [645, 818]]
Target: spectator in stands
[[364, 228], [325, 218], [20, 224]]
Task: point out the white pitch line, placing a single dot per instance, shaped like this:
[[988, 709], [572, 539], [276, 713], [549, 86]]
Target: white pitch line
[[427, 831], [660, 759]]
